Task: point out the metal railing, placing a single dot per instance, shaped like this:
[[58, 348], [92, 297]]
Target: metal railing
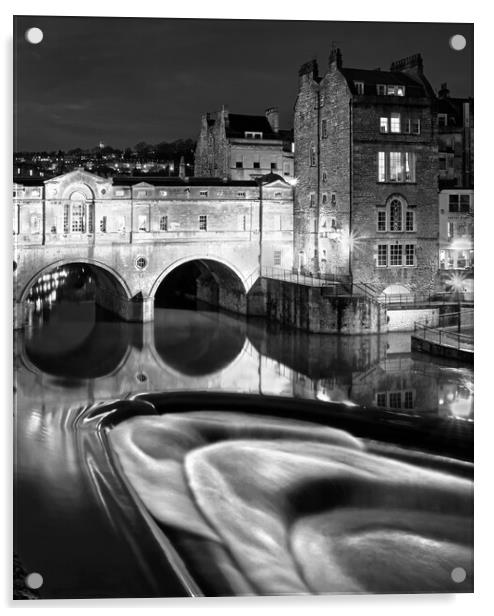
[[463, 321], [432, 297], [310, 280], [444, 337]]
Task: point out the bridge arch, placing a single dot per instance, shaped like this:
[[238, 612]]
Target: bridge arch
[[119, 283], [199, 258], [212, 280]]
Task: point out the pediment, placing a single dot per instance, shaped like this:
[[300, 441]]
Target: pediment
[[142, 185], [78, 175]]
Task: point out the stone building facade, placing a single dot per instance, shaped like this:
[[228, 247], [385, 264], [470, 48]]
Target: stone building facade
[[134, 233], [243, 147], [366, 169], [455, 122]]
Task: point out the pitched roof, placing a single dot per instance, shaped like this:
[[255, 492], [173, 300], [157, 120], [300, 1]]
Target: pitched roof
[[371, 78], [176, 181], [238, 124]]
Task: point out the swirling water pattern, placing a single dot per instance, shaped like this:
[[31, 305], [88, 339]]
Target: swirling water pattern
[[261, 505]]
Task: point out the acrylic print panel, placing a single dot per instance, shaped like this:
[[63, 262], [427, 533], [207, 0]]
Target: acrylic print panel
[[243, 287]]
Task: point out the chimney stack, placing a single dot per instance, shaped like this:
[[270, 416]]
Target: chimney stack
[[335, 58], [413, 64], [443, 92], [273, 118], [309, 68]]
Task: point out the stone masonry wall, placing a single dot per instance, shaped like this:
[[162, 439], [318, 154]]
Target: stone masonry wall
[[369, 195], [311, 309]]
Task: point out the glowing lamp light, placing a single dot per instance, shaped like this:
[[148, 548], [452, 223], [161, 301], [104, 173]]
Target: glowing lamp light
[[456, 282], [293, 181]]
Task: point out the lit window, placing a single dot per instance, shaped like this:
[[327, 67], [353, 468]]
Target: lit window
[[382, 255], [395, 167], [395, 123], [277, 257], [324, 129], [395, 90], [383, 125], [395, 254], [90, 218], [410, 221], [454, 201], [395, 215], [163, 193], [253, 135], [359, 87], [142, 223], [381, 220], [409, 254], [164, 223], [203, 223], [382, 167], [66, 216], [464, 203], [77, 218]]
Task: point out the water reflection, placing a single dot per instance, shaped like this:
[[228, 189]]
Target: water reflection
[[196, 350], [78, 357]]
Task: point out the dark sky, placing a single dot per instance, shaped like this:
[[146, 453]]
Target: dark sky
[[122, 80]]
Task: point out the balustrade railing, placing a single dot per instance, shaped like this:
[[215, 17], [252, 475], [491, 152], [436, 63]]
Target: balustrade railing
[[444, 336]]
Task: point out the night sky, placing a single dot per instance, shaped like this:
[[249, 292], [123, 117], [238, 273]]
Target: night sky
[[122, 81]]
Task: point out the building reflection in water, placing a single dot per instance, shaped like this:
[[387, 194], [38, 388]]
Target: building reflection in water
[[78, 356]]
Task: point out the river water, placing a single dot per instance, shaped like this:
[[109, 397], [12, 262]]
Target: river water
[[202, 489]]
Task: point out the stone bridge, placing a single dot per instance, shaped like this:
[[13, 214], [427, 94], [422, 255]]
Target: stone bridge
[[133, 235]]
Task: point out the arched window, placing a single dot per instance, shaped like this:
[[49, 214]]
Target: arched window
[[78, 214], [395, 215]]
